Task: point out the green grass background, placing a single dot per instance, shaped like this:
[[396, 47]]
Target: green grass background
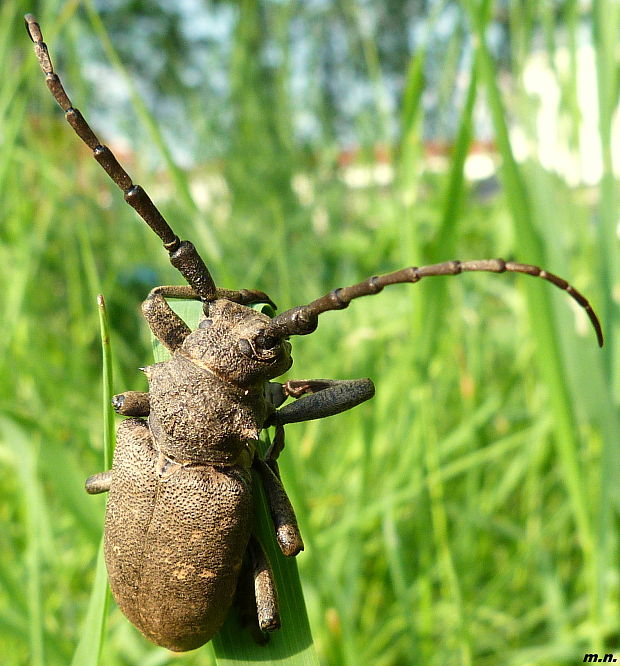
[[469, 513]]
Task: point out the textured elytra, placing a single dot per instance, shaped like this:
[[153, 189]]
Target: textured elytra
[[175, 537]]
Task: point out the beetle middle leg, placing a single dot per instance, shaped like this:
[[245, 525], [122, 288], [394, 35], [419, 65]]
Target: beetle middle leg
[[323, 397], [280, 507], [131, 403], [98, 483]]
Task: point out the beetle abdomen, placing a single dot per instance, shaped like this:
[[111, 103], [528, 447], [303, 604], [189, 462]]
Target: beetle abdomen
[[175, 539]]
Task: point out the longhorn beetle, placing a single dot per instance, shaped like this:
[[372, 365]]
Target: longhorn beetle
[[178, 530]]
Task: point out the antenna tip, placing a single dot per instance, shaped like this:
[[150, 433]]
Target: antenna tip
[[596, 324]]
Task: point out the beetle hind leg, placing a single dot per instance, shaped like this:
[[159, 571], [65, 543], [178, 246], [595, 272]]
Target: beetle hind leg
[[256, 598], [265, 593]]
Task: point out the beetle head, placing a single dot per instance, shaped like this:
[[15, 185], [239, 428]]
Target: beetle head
[[232, 342]]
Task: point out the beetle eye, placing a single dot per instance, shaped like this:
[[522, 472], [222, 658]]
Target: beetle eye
[[261, 348], [267, 341], [205, 323], [246, 348]]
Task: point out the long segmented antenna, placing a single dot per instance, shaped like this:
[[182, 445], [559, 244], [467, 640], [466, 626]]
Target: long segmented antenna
[[183, 254], [300, 320], [304, 318]]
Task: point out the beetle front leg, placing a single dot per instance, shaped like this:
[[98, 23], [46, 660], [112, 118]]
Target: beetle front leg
[[166, 324], [323, 397], [168, 327]]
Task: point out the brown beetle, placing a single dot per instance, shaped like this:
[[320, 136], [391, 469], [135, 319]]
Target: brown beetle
[[178, 532]]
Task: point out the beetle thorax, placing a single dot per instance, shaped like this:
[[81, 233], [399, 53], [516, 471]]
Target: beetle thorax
[[196, 416]]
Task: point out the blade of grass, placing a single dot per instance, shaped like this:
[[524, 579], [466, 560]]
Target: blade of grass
[[606, 26], [33, 497], [441, 536], [89, 648], [444, 246], [108, 383], [24, 452], [541, 315], [410, 145]]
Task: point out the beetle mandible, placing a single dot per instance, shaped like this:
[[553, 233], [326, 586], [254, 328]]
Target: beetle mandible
[[178, 532]]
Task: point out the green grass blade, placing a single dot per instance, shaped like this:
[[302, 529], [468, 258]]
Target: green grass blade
[[444, 245], [292, 645], [34, 561], [107, 385], [22, 451], [550, 362], [88, 651], [606, 24]]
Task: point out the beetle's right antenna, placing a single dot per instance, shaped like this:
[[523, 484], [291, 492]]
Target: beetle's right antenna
[[183, 254], [305, 318]]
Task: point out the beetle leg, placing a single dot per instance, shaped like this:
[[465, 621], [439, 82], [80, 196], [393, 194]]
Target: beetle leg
[[131, 403], [245, 602], [265, 592], [98, 483], [281, 510], [274, 393], [168, 327], [256, 598], [245, 296], [326, 397], [273, 452], [166, 324]]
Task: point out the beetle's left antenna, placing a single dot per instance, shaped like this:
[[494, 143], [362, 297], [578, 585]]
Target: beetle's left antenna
[[183, 254]]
